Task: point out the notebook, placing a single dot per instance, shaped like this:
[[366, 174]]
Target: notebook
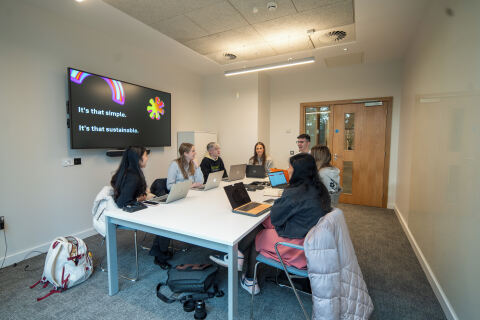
[[255, 171], [178, 191], [237, 172], [213, 181], [241, 202], [278, 179]]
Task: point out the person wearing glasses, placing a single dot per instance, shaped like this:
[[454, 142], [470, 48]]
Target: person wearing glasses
[[303, 143]]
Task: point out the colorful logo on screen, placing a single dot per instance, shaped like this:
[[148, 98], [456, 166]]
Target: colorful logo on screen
[[118, 95], [156, 108]]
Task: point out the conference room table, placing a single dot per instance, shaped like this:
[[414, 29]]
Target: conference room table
[[203, 218]]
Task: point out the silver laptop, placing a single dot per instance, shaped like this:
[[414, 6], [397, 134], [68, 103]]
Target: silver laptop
[[237, 172], [213, 181], [178, 191]]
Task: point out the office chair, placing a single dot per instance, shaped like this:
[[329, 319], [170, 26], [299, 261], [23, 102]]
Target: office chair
[[287, 269]]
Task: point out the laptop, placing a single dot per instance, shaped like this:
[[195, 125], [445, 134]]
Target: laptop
[[278, 179], [237, 172], [213, 181], [178, 191], [255, 171], [241, 202]]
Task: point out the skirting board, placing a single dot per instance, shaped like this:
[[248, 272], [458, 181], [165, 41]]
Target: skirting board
[[20, 256], [437, 289]]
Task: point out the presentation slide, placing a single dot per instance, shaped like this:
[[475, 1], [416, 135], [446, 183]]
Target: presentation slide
[[107, 113]]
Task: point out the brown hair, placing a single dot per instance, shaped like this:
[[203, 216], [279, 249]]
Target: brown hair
[[182, 161], [322, 156], [264, 155]]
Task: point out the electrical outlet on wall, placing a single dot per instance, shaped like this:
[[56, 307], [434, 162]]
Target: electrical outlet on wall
[[67, 162]]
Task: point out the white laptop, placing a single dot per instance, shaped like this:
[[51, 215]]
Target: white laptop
[[213, 181], [237, 172], [178, 191]]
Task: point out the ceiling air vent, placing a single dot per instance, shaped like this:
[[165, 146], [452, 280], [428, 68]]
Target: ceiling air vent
[[229, 56], [333, 36]]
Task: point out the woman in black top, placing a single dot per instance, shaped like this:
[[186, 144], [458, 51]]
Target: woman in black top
[[302, 204], [128, 182], [129, 185]]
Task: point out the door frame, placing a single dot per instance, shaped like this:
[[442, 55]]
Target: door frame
[[388, 101]]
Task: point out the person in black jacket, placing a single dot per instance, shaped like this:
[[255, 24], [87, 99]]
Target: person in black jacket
[[128, 182], [129, 185], [212, 161], [302, 204]]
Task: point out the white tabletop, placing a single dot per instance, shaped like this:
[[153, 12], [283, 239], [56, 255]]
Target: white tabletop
[[204, 214]]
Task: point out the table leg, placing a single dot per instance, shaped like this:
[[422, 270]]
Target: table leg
[[112, 257], [232, 282]]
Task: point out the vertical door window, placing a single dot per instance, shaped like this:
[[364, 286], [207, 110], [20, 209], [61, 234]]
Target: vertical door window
[[317, 124], [349, 135]]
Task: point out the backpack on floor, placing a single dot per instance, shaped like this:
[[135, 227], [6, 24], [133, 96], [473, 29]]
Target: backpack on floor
[[67, 264]]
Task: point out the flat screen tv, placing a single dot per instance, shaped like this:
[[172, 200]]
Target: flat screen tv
[[112, 114]]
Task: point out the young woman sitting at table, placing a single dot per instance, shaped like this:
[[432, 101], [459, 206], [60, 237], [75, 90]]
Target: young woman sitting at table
[[260, 157], [302, 204]]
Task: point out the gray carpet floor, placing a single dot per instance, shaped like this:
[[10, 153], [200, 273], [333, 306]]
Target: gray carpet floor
[[396, 282]]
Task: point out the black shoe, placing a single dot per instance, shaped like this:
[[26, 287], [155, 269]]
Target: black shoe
[[164, 265], [200, 312]]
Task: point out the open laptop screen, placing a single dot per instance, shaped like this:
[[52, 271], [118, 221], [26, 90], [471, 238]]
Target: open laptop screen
[[237, 195], [277, 178]]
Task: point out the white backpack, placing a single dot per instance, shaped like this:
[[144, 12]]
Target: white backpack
[[68, 263]]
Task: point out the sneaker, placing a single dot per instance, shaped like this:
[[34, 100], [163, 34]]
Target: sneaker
[[222, 260], [248, 285]]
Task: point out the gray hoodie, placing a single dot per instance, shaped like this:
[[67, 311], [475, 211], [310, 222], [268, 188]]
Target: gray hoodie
[[330, 178]]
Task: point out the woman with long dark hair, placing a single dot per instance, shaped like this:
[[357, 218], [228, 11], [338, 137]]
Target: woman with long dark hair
[[302, 204], [260, 157], [128, 181]]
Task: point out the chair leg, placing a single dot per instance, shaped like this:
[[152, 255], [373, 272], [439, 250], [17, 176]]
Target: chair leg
[[136, 260], [253, 289]]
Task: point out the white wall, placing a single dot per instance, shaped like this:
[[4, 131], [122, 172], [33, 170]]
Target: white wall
[[264, 110], [439, 153], [40, 199], [315, 83], [231, 110]]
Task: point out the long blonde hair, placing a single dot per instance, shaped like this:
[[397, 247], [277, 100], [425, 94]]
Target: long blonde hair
[[182, 161], [322, 156]]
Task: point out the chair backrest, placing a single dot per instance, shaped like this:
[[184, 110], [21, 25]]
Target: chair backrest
[[103, 201], [159, 187]]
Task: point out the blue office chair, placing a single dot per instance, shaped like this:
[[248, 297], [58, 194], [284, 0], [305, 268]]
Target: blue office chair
[[288, 271]]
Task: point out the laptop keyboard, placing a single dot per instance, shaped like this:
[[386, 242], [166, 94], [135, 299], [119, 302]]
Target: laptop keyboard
[[249, 206], [160, 199]]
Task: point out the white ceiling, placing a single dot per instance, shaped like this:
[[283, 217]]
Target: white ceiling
[[383, 30], [245, 28]]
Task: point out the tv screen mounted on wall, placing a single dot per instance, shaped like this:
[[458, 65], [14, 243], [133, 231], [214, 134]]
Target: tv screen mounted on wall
[[108, 113]]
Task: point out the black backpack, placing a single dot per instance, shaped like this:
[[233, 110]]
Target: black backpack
[[190, 282]]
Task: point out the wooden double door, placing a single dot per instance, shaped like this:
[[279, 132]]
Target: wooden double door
[[358, 135]]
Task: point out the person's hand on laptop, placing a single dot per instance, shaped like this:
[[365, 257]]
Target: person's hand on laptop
[[196, 185], [141, 198]]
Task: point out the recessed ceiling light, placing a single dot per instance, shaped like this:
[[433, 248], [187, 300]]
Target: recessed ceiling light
[[79, 0], [345, 49]]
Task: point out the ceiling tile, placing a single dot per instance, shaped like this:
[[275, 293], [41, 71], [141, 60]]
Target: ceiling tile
[[281, 28], [232, 41], [257, 51], [303, 5], [338, 14], [344, 60], [291, 44], [180, 28], [246, 7], [148, 11], [217, 18]]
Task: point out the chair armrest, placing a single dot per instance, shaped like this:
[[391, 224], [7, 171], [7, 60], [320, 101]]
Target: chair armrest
[[287, 244]]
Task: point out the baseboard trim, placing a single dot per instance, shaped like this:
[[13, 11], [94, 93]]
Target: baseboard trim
[[432, 279], [21, 255]]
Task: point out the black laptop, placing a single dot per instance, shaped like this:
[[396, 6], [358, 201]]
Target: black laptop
[[241, 202], [255, 171]]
